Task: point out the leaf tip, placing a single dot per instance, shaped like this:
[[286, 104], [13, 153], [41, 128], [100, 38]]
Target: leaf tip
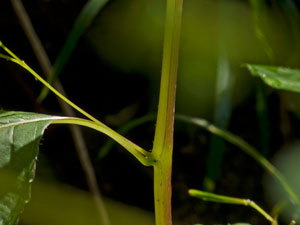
[[248, 66]]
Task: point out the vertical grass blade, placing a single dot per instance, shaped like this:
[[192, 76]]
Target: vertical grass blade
[[224, 89], [262, 114], [82, 22], [258, 12], [225, 78]]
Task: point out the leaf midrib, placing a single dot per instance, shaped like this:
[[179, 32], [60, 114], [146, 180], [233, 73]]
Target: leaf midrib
[[31, 121]]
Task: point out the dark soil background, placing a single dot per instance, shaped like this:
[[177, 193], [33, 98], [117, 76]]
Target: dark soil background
[[120, 176]]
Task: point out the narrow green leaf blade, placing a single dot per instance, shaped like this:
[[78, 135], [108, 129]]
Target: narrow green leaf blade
[[277, 77], [20, 135], [82, 22]]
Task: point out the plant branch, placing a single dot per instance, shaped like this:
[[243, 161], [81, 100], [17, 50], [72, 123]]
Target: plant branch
[[142, 155], [231, 138], [247, 148], [76, 133], [93, 122], [12, 57], [104, 150], [207, 196]]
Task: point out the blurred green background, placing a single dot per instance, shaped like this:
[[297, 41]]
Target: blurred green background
[[114, 74]]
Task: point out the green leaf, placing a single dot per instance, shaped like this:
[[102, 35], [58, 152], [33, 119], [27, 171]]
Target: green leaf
[[142, 155], [20, 135], [277, 77]]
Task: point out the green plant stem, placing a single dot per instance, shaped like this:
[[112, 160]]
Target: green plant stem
[[79, 142], [104, 150], [207, 196], [163, 139], [20, 62], [142, 155], [166, 105], [247, 148], [258, 8], [233, 139]]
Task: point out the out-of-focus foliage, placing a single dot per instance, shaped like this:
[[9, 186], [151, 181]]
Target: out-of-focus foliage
[[208, 196], [54, 203], [128, 35], [287, 161], [83, 21]]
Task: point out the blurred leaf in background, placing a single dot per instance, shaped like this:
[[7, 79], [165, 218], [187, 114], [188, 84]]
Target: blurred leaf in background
[[287, 161], [128, 36], [59, 204]]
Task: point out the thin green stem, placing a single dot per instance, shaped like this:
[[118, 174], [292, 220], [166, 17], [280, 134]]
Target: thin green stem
[[163, 140], [247, 148], [207, 196], [233, 139], [142, 155], [20, 62], [79, 142], [124, 130]]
